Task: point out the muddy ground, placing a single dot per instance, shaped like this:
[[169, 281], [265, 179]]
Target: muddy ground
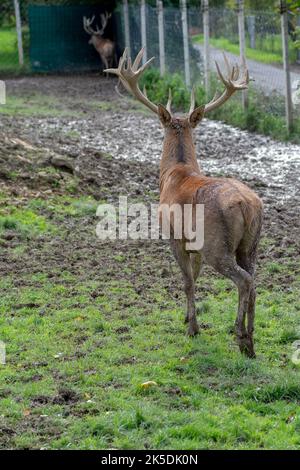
[[112, 147], [65, 138]]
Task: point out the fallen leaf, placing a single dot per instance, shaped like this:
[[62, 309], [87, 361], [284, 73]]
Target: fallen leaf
[[148, 384]]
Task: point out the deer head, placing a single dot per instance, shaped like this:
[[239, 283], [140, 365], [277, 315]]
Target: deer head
[[98, 32], [129, 75]]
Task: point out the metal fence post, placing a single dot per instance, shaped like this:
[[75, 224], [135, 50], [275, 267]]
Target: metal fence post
[[126, 25], [185, 43], [19, 32], [241, 23], [144, 30], [298, 52], [251, 19], [161, 34], [286, 65], [205, 11]]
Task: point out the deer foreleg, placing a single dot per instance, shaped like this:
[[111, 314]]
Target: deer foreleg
[[105, 62]]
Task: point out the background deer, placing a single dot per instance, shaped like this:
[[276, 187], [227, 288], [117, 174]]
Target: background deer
[[232, 212], [104, 46]]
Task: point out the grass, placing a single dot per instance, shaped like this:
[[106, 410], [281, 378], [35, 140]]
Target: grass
[[37, 105], [269, 50], [24, 222], [9, 59], [87, 323], [81, 342]]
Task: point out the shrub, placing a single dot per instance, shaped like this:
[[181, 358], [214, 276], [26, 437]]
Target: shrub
[[264, 115]]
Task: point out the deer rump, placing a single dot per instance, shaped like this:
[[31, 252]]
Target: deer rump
[[232, 212]]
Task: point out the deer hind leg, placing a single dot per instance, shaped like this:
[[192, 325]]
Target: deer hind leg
[[247, 262], [244, 283], [185, 264], [105, 62], [196, 261]]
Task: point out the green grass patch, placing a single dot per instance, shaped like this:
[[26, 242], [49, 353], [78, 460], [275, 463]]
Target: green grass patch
[[37, 105], [268, 50], [81, 341], [87, 384], [9, 59], [23, 221], [62, 206]]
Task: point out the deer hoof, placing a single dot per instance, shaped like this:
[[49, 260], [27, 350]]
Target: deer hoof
[[193, 329], [246, 346]]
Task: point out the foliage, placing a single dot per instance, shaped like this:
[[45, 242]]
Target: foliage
[[158, 88], [84, 336], [9, 50], [264, 115]]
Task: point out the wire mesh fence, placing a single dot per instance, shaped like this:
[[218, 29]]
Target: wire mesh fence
[[173, 37], [263, 52], [263, 40], [54, 40]]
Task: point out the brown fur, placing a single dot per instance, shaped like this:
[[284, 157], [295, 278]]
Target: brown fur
[[105, 48], [232, 222]]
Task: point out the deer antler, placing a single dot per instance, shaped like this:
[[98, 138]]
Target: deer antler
[[104, 19], [87, 24], [129, 74], [234, 81]]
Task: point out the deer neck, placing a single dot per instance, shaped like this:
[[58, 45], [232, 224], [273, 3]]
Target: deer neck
[[178, 150], [97, 40]]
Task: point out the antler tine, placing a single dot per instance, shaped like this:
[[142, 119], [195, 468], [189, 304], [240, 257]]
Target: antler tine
[[237, 72], [86, 25], [193, 101], [104, 19], [220, 74], [87, 22], [138, 59], [168, 107], [228, 68], [141, 70], [233, 82], [247, 76], [129, 75]]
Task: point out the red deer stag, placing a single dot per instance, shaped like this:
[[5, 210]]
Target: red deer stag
[[104, 47], [233, 213]]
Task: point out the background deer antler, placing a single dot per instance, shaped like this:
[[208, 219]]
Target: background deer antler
[[104, 20], [87, 24]]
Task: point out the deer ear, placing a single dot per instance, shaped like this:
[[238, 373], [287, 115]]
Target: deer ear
[[164, 115], [197, 116]]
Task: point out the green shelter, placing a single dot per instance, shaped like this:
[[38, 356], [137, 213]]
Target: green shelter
[[58, 42]]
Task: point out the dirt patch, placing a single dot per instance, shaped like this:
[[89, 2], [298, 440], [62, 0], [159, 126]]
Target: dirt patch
[[104, 154]]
